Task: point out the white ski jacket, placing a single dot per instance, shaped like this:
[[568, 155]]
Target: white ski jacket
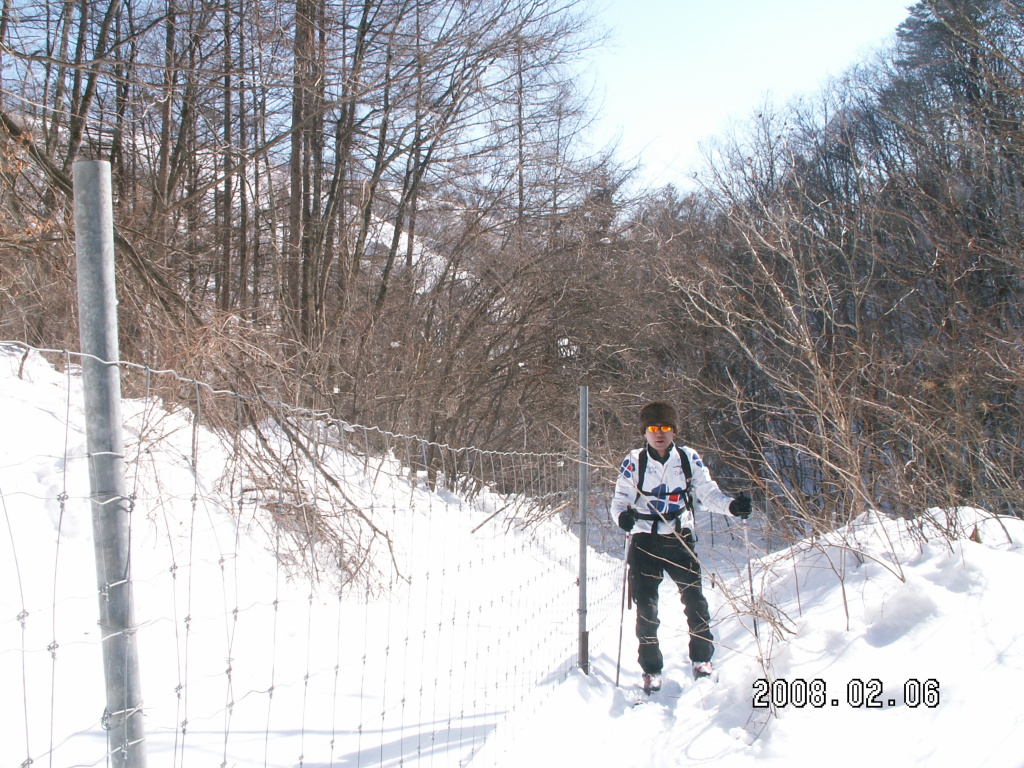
[[664, 490]]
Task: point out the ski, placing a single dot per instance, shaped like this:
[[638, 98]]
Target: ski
[[711, 677], [651, 684], [669, 691], [705, 671]]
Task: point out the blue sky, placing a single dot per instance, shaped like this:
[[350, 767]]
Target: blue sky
[[677, 72]]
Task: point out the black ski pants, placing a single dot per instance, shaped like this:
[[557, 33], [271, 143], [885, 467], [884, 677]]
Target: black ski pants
[[651, 555]]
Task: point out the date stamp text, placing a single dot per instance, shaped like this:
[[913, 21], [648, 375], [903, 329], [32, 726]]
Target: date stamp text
[[858, 694]]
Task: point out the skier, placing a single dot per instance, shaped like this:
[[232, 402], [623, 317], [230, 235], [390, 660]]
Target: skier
[[654, 496]]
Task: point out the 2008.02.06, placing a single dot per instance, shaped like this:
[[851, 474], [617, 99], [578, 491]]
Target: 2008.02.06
[[869, 694]]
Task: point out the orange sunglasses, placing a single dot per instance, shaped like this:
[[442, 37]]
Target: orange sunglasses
[[659, 428]]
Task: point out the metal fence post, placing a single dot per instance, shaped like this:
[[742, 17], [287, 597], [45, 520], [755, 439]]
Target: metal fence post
[[111, 507], [584, 496]]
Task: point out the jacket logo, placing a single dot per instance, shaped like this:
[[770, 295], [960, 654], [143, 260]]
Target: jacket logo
[[665, 501]]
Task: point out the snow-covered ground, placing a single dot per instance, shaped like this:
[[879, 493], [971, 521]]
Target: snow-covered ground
[[885, 641], [920, 662]]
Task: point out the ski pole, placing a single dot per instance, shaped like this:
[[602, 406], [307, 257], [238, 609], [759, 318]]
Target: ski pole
[[622, 610], [750, 578]]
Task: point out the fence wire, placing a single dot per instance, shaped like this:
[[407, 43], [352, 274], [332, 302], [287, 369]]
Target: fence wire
[[307, 591]]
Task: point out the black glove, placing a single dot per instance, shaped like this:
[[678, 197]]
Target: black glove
[[740, 506], [627, 519]]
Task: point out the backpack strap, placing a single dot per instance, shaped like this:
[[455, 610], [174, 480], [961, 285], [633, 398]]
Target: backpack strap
[[688, 471], [641, 470]]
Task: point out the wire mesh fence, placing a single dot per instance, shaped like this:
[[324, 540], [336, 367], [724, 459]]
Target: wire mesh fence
[[307, 591]]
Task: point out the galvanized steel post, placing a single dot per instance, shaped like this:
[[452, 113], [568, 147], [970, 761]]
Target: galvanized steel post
[[111, 507], [584, 495]]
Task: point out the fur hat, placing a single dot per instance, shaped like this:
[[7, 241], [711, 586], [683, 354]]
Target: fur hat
[[658, 413]]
